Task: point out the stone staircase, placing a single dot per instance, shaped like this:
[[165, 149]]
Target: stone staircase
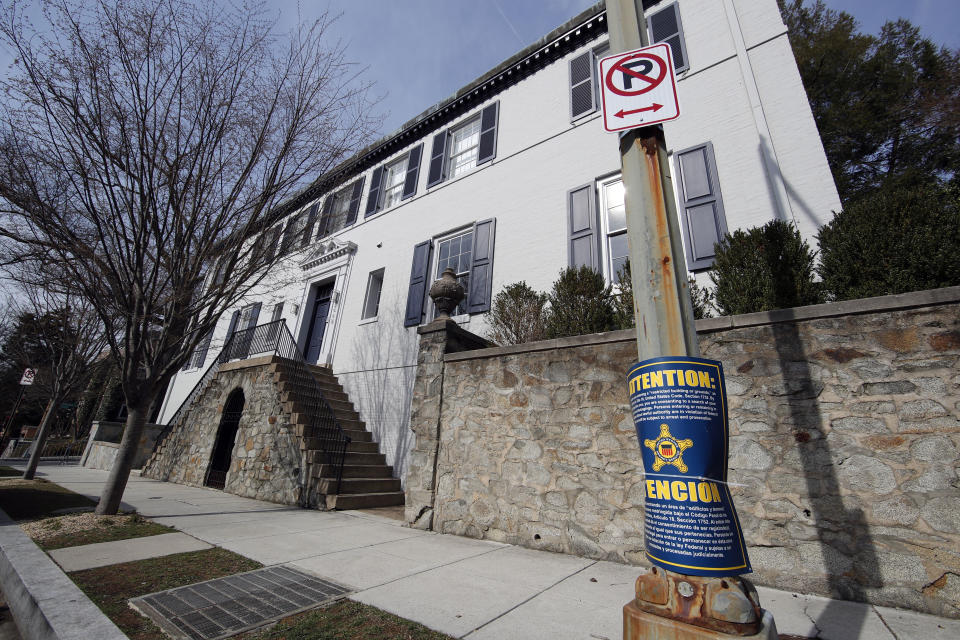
[[367, 479]]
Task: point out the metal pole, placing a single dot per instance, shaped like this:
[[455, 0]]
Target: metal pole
[[665, 327], [658, 271], [13, 414]]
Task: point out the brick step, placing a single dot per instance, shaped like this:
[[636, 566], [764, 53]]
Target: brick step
[[354, 446], [309, 404], [328, 486], [354, 471], [365, 500], [294, 378], [316, 457], [349, 427]]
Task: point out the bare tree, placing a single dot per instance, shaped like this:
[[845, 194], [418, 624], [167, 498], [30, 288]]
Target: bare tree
[[70, 335], [147, 146]]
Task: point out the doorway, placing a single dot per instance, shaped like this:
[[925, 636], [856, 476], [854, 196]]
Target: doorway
[[223, 445], [318, 322]]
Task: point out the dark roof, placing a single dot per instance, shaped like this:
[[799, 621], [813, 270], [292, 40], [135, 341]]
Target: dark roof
[[580, 29]]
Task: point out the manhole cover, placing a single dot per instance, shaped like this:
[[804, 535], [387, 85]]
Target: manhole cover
[[227, 606]]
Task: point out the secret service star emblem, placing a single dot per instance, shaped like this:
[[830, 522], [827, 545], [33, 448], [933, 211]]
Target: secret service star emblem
[[668, 450]]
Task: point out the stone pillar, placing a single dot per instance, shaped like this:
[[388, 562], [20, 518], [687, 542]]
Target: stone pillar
[[440, 337]]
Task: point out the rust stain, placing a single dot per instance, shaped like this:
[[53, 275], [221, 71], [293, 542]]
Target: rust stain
[[841, 355], [945, 341]]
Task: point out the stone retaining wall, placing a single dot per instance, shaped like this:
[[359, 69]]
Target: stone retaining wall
[[104, 442], [845, 432], [266, 462]]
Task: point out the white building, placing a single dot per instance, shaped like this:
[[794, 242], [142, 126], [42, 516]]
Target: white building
[[513, 178]]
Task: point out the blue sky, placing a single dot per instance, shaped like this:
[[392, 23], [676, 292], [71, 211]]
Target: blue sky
[[418, 52]]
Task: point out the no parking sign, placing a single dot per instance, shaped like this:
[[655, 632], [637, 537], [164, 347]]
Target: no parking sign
[[639, 88]]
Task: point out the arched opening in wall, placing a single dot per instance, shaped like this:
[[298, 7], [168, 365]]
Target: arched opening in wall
[[223, 445]]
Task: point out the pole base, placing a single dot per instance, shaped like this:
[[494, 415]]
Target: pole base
[[640, 625]]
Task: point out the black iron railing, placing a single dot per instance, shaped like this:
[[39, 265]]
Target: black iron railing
[[323, 430]]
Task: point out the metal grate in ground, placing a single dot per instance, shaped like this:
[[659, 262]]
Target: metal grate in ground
[[227, 606]]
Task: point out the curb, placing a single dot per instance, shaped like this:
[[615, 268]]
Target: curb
[[45, 603]]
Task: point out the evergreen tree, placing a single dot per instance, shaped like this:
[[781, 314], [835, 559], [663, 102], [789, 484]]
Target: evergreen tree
[[764, 268], [517, 315], [580, 303], [892, 241], [887, 106]]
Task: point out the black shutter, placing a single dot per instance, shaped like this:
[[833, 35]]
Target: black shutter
[[481, 268], [701, 210], [419, 273], [288, 233], [354, 202], [231, 329], [277, 312], [413, 172], [311, 220], [665, 26], [200, 353], [437, 156], [325, 217], [373, 198], [583, 228], [488, 133], [271, 238], [582, 98]]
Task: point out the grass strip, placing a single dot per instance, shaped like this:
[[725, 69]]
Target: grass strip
[[345, 620], [110, 587], [103, 529], [28, 499]]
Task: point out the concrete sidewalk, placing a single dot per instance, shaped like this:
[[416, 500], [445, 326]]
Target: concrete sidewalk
[[463, 587]]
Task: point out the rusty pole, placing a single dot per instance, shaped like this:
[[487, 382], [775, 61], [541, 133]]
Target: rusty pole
[[668, 605]]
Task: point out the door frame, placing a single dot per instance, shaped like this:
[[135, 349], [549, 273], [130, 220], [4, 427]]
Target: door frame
[[331, 260]]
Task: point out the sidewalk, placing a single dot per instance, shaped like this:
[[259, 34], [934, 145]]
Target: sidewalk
[[463, 587]]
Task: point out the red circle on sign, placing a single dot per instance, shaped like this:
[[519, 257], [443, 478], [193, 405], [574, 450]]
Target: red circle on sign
[[652, 82]]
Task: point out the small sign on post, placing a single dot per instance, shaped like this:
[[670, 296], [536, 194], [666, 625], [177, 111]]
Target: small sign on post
[[638, 88], [28, 376]]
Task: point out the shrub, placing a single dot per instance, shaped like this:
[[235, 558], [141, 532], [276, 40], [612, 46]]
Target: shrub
[[580, 303], [764, 268], [892, 241], [624, 315], [517, 315], [700, 298]]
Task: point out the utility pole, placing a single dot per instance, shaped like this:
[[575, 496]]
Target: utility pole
[[669, 604]]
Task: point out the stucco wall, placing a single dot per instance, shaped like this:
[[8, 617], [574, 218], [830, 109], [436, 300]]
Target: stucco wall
[[845, 432]]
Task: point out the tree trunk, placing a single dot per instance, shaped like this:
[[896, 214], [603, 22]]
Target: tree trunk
[[41, 438], [120, 473]]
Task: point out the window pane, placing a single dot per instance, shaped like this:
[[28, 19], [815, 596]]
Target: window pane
[[616, 214], [618, 255]]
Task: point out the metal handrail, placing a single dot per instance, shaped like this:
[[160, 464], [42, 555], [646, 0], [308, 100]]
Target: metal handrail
[[274, 338]]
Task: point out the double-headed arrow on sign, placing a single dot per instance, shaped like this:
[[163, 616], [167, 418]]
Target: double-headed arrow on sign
[[653, 107]]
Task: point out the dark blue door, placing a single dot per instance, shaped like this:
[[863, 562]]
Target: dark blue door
[[318, 322]]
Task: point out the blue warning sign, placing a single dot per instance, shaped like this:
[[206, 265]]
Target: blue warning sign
[[679, 407]]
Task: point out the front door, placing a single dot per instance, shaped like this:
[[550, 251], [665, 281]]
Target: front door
[[318, 323]]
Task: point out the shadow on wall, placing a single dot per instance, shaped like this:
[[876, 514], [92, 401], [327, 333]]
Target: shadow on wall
[[793, 197], [847, 549], [384, 353]]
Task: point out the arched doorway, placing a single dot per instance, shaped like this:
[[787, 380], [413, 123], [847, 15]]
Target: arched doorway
[[223, 445]]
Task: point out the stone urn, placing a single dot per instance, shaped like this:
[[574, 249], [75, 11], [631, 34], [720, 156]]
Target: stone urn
[[446, 293]]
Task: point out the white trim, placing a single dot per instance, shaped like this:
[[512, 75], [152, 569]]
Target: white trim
[[331, 259]]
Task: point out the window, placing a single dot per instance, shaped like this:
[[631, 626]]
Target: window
[[459, 149], [393, 179], [701, 204], [614, 220], [340, 209], [469, 253], [584, 84], [371, 301], [394, 182], [464, 143], [665, 26], [295, 227], [598, 241], [454, 253]]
